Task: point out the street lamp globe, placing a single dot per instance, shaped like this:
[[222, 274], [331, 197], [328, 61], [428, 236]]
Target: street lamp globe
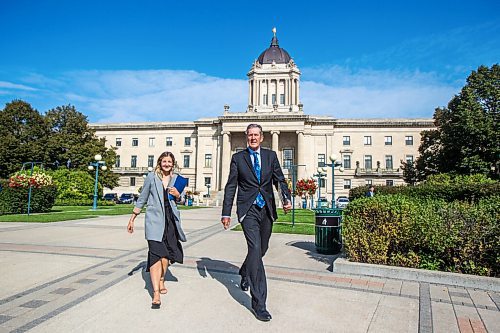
[[320, 169], [98, 157], [104, 168], [150, 169], [90, 167], [333, 158], [324, 170], [341, 169]]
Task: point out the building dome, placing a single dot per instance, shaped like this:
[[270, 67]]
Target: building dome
[[274, 53]]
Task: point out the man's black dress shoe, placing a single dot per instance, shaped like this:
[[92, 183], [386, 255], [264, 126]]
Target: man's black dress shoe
[[244, 283], [262, 315]]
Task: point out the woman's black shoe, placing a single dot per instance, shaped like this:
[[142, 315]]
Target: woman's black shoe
[[262, 315]]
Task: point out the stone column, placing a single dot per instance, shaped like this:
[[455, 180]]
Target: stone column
[[275, 142], [226, 158], [298, 92], [249, 92], [301, 158]]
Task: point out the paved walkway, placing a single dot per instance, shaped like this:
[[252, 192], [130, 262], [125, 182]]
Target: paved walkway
[[87, 276]]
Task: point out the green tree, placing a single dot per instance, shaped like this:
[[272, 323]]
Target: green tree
[[410, 172], [466, 138], [23, 133], [72, 140], [74, 184]]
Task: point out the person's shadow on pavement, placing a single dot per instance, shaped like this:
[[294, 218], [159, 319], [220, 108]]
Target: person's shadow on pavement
[[147, 278], [227, 275]]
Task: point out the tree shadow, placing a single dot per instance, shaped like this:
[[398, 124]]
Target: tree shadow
[[147, 278], [226, 274], [310, 247]]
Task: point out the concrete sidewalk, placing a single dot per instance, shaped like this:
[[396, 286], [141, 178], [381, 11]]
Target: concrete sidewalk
[[87, 276]]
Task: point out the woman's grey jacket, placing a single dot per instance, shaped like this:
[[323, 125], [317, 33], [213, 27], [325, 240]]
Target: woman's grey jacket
[[152, 194]]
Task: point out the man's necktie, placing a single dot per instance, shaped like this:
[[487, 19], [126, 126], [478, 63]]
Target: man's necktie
[[259, 201]]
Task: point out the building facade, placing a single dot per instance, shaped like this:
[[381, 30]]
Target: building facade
[[370, 150]]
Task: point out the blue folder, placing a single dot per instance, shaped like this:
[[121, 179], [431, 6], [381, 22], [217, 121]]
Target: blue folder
[[180, 184]]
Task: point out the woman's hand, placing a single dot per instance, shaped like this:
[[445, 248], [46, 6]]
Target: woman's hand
[[130, 226], [173, 191]]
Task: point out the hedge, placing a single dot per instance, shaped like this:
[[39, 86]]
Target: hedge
[[446, 192], [15, 200], [83, 202], [403, 231]]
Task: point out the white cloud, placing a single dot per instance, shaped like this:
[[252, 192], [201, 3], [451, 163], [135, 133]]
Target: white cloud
[[10, 85], [173, 95]]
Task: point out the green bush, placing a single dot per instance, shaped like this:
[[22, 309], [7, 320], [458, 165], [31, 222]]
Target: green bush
[[83, 202], [448, 188], [15, 200], [405, 231], [74, 184]]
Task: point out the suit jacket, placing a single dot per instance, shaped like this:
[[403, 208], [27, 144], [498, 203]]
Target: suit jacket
[[243, 177], [152, 194]]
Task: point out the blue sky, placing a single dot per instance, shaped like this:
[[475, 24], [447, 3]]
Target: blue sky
[[153, 60]]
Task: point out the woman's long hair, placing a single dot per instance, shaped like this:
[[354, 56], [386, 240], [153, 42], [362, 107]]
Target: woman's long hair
[[158, 163]]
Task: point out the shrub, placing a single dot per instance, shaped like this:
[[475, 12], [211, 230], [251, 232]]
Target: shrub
[[399, 230], [74, 184], [448, 188], [83, 202], [14, 200]]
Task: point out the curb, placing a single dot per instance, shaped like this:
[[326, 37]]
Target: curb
[[344, 266]]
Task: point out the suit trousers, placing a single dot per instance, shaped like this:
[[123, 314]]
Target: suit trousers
[[257, 226]]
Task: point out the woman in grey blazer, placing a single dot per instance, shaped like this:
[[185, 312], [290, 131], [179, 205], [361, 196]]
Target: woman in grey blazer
[[162, 222]]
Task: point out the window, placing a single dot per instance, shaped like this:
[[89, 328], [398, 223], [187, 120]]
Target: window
[[118, 142], [287, 158], [322, 182], [367, 140], [133, 161], [132, 181], [273, 98], [388, 162], [368, 161], [151, 142], [168, 141], [117, 161], [409, 159], [347, 184], [388, 140], [264, 99], [135, 142], [208, 181], [187, 141], [368, 182], [151, 161], [409, 140], [186, 161], [282, 99], [346, 140], [321, 160], [389, 182], [208, 160], [347, 162]]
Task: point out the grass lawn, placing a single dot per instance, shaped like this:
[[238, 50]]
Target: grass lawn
[[65, 213], [304, 223]]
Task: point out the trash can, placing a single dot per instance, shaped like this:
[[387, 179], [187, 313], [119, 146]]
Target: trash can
[[304, 204], [328, 230], [189, 202]]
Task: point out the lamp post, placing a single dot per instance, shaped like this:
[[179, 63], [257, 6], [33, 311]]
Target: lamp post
[[321, 174], [208, 188], [294, 180], [91, 167], [335, 163]]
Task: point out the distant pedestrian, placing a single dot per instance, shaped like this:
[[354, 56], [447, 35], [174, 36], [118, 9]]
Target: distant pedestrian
[[371, 191], [162, 223]]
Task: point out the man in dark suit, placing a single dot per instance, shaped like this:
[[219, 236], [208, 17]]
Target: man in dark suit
[[254, 171], [371, 191]]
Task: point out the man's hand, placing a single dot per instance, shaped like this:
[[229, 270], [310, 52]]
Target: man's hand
[[226, 222], [287, 207]]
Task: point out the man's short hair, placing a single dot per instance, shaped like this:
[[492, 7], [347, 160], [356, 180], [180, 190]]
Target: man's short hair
[[253, 126]]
